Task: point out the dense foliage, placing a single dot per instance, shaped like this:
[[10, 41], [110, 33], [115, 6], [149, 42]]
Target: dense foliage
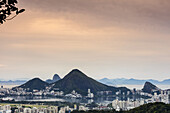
[[8, 8], [152, 108], [147, 108]]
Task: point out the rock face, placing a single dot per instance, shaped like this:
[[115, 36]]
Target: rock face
[[78, 81], [34, 84], [150, 88], [56, 78]]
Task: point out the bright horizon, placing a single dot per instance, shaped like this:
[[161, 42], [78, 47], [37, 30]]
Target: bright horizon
[[62, 76], [104, 39]]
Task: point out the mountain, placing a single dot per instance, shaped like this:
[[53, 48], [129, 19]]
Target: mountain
[[106, 81], [34, 84], [150, 88], [78, 81], [56, 77], [123, 81], [13, 82], [167, 81]]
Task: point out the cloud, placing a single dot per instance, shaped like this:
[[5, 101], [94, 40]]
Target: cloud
[[91, 16], [132, 14], [92, 34], [2, 66]]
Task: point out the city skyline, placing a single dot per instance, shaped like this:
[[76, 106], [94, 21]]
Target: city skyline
[[113, 39]]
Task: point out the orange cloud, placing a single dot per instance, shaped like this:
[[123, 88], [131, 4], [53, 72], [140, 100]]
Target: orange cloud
[[2, 66]]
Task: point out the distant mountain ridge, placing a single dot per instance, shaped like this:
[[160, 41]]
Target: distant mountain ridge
[[123, 81], [13, 82], [56, 78]]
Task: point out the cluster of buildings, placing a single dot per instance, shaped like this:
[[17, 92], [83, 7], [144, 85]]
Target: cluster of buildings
[[51, 109], [131, 103], [21, 109], [126, 105], [47, 92], [5, 109], [25, 92], [117, 104], [73, 94], [40, 109], [164, 97]]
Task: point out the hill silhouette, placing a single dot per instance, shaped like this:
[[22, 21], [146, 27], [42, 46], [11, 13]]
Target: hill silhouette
[[34, 84], [56, 78], [149, 87], [78, 81]]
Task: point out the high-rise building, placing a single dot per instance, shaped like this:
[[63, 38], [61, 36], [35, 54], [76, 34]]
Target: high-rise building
[[27, 110], [90, 95]]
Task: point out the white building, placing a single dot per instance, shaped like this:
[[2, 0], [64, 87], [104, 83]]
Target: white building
[[126, 105], [82, 108], [27, 110], [35, 110], [62, 110], [90, 95]]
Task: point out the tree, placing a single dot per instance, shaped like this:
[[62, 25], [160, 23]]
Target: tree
[[7, 9]]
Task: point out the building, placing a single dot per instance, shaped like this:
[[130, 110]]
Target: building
[[27, 110], [90, 95]]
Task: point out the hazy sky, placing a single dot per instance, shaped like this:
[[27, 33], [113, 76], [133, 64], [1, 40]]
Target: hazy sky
[[103, 38]]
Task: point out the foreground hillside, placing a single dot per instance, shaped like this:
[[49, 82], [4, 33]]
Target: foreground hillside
[[147, 108]]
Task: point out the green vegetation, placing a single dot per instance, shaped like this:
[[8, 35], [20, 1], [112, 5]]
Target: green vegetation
[[152, 108], [8, 8]]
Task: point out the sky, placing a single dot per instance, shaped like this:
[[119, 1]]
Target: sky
[[102, 38]]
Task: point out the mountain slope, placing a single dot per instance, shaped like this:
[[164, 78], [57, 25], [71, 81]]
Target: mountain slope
[[157, 107], [78, 81], [149, 88], [56, 78], [34, 84]]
